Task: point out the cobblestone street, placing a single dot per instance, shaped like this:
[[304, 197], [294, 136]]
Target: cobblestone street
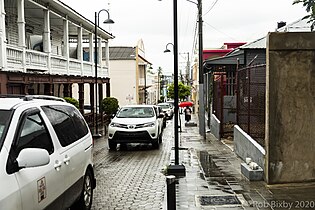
[[131, 178]]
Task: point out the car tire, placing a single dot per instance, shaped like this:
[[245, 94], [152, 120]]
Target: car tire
[[112, 145], [161, 138], [85, 200], [156, 144]]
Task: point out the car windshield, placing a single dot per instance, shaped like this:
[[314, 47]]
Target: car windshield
[[5, 116], [135, 112]]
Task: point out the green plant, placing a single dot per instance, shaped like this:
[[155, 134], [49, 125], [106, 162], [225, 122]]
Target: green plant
[[72, 101], [110, 105], [183, 91]]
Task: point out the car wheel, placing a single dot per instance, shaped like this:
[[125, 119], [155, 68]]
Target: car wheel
[[123, 146], [112, 145], [85, 200], [156, 144], [161, 138]]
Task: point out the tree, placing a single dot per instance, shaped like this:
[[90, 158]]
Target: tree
[[110, 105], [310, 8], [183, 91]]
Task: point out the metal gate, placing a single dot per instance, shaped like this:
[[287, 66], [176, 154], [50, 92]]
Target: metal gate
[[224, 101], [251, 95]]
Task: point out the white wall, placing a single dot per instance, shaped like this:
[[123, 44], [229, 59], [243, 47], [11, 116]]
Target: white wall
[[123, 81]]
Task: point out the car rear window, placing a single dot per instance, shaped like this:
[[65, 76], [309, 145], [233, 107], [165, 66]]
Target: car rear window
[[68, 123]]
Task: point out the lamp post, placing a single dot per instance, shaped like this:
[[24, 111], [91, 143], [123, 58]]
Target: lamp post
[[96, 24], [177, 170]]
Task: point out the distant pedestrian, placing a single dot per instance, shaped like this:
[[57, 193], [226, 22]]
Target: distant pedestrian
[[187, 112]]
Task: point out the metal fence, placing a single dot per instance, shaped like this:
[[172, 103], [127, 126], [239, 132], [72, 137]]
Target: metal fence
[[251, 94], [224, 106]]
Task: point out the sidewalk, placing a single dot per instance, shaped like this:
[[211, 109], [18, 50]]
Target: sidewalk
[[214, 180]]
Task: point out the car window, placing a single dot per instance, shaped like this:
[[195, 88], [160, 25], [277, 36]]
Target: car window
[[5, 116], [33, 134], [135, 112], [68, 123]]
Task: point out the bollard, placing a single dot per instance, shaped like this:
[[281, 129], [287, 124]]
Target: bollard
[[171, 192]]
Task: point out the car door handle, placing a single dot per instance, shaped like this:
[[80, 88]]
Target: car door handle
[[66, 160], [57, 165]]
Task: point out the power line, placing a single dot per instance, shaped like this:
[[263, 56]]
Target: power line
[[211, 7]]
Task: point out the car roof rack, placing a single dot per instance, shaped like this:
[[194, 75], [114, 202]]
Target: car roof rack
[[31, 97]]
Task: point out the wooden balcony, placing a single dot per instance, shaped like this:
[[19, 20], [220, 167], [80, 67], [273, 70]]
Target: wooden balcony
[[19, 59]]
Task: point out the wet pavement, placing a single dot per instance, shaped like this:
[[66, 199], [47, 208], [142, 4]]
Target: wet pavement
[[132, 178], [214, 180]]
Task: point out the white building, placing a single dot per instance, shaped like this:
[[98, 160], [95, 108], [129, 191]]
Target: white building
[[130, 75], [41, 51]]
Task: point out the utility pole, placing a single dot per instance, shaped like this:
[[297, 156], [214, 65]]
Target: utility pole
[[202, 129]]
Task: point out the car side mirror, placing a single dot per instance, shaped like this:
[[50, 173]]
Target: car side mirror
[[33, 157]]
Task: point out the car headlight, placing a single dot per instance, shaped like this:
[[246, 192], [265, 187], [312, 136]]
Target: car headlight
[[116, 125], [151, 124]]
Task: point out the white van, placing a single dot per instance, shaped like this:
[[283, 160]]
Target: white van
[[45, 155]]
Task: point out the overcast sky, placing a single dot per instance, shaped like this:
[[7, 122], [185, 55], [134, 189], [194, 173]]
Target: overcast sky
[[152, 21]]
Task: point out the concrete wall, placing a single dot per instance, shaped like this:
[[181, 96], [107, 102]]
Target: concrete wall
[[245, 146], [215, 126], [290, 108]]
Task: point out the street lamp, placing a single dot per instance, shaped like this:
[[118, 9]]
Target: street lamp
[[96, 24], [166, 49], [177, 170]]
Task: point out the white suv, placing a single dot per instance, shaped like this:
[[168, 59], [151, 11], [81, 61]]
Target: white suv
[[136, 124], [45, 155]]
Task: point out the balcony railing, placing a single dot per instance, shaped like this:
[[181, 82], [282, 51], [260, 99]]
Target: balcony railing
[[19, 59]]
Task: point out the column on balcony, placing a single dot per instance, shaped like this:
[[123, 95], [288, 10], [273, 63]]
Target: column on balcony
[[91, 47], [21, 29], [99, 54], [80, 48], [107, 55], [46, 37], [65, 51], [3, 54]]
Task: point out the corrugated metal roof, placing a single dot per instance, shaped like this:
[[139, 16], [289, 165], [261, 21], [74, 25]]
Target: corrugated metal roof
[[297, 26], [257, 44], [122, 53], [228, 59]]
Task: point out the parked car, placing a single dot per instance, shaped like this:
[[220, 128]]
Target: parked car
[[167, 109], [136, 124], [45, 155]]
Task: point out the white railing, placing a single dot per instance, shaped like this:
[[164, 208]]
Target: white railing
[[59, 65], [19, 59], [36, 60], [14, 58]]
